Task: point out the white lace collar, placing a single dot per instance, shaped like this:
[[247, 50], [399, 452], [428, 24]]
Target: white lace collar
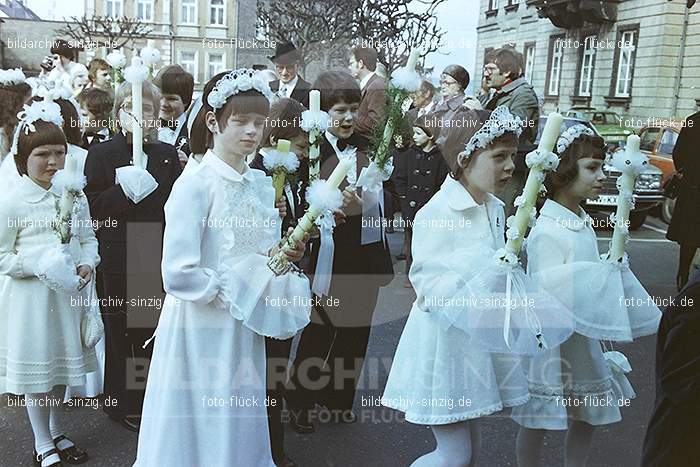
[[226, 170]]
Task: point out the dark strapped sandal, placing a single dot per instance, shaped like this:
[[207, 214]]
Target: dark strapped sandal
[[39, 458], [70, 455]]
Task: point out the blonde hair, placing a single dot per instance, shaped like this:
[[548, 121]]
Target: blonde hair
[[149, 90]]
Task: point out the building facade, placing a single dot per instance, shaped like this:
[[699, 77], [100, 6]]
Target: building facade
[[203, 36], [640, 58]]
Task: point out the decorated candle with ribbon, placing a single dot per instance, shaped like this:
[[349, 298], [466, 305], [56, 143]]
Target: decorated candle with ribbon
[[281, 162], [69, 181], [136, 74], [630, 162], [314, 121], [539, 161], [322, 196]]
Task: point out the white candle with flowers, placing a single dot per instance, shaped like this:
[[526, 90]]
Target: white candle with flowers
[[539, 161], [136, 74], [281, 162], [631, 162], [314, 121], [322, 196]]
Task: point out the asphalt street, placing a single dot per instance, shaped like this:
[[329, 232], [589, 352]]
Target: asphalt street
[[381, 437]]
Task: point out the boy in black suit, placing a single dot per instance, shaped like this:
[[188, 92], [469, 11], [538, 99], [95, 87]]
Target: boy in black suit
[[340, 325], [96, 105], [130, 234], [176, 87]]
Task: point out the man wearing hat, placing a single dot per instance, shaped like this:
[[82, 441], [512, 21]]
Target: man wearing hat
[[287, 59]]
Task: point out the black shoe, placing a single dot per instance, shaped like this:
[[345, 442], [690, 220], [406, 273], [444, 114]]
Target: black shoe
[[285, 462], [300, 422], [347, 416], [132, 423], [39, 458], [70, 455], [401, 256]]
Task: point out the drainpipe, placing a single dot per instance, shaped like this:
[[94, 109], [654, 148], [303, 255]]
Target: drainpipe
[[238, 33], [681, 56], [171, 32]]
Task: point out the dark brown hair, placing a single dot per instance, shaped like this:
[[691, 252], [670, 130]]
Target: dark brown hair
[[430, 125], [583, 146], [337, 86], [71, 122], [283, 121], [63, 48], [173, 79], [246, 102], [45, 133], [368, 55], [508, 60], [97, 101], [97, 64]]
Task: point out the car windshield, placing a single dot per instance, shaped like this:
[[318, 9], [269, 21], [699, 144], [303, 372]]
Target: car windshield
[[566, 124], [602, 118]]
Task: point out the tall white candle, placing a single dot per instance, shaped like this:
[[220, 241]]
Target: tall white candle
[[413, 59], [533, 183], [137, 111], [622, 215], [315, 100]]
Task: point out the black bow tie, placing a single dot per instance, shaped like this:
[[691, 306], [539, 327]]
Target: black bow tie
[[172, 124], [343, 144], [98, 136]]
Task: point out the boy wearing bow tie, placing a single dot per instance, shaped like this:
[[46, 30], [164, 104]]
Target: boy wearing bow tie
[[176, 87], [96, 105]]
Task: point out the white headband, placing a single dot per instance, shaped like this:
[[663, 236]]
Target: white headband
[[570, 134], [236, 81], [499, 122], [46, 110]]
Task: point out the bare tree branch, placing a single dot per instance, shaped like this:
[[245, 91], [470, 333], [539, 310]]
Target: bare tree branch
[[106, 31]]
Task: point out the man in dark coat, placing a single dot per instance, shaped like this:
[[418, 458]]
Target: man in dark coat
[[685, 222], [336, 340], [129, 238], [287, 60], [503, 73], [363, 66], [674, 429]]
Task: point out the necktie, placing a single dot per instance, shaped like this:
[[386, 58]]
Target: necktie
[[283, 91]]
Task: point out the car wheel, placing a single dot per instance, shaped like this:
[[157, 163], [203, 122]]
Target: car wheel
[[637, 218], [667, 209]]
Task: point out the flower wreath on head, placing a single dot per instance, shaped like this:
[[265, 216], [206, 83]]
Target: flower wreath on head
[[236, 81], [570, 134], [46, 110], [12, 76], [500, 122]]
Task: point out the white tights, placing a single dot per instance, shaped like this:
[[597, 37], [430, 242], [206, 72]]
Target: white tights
[[44, 413], [457, 446], [578, 445]]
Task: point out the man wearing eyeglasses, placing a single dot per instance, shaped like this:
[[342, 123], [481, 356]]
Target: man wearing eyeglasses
[[289, 85], [503, 75]]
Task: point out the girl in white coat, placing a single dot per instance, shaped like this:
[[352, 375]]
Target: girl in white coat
[[440, 377], [205, 396], [572, 387], [41, 350]]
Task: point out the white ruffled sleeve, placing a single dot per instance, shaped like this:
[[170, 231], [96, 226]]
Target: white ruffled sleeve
[[186, 213]]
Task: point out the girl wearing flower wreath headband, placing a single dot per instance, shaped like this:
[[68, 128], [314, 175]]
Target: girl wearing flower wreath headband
[[222, 298], [441, 377], [577, 386], [41, 348]]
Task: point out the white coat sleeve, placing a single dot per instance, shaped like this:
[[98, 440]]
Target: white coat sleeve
[[11, 263], [86, 234], [186, 213]]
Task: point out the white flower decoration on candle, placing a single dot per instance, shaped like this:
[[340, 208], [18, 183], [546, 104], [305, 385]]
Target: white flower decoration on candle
[[240, 80], [274, 159], [322, 195], [116, 59], [545, 160], [570, 134], [12, 76], [500, 122], [506, 258], [634, 163], [150, 54], [407, 78], [135, 72], [318, 120]]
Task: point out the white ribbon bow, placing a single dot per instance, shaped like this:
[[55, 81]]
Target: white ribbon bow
[[324, 265], [371, 180]]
